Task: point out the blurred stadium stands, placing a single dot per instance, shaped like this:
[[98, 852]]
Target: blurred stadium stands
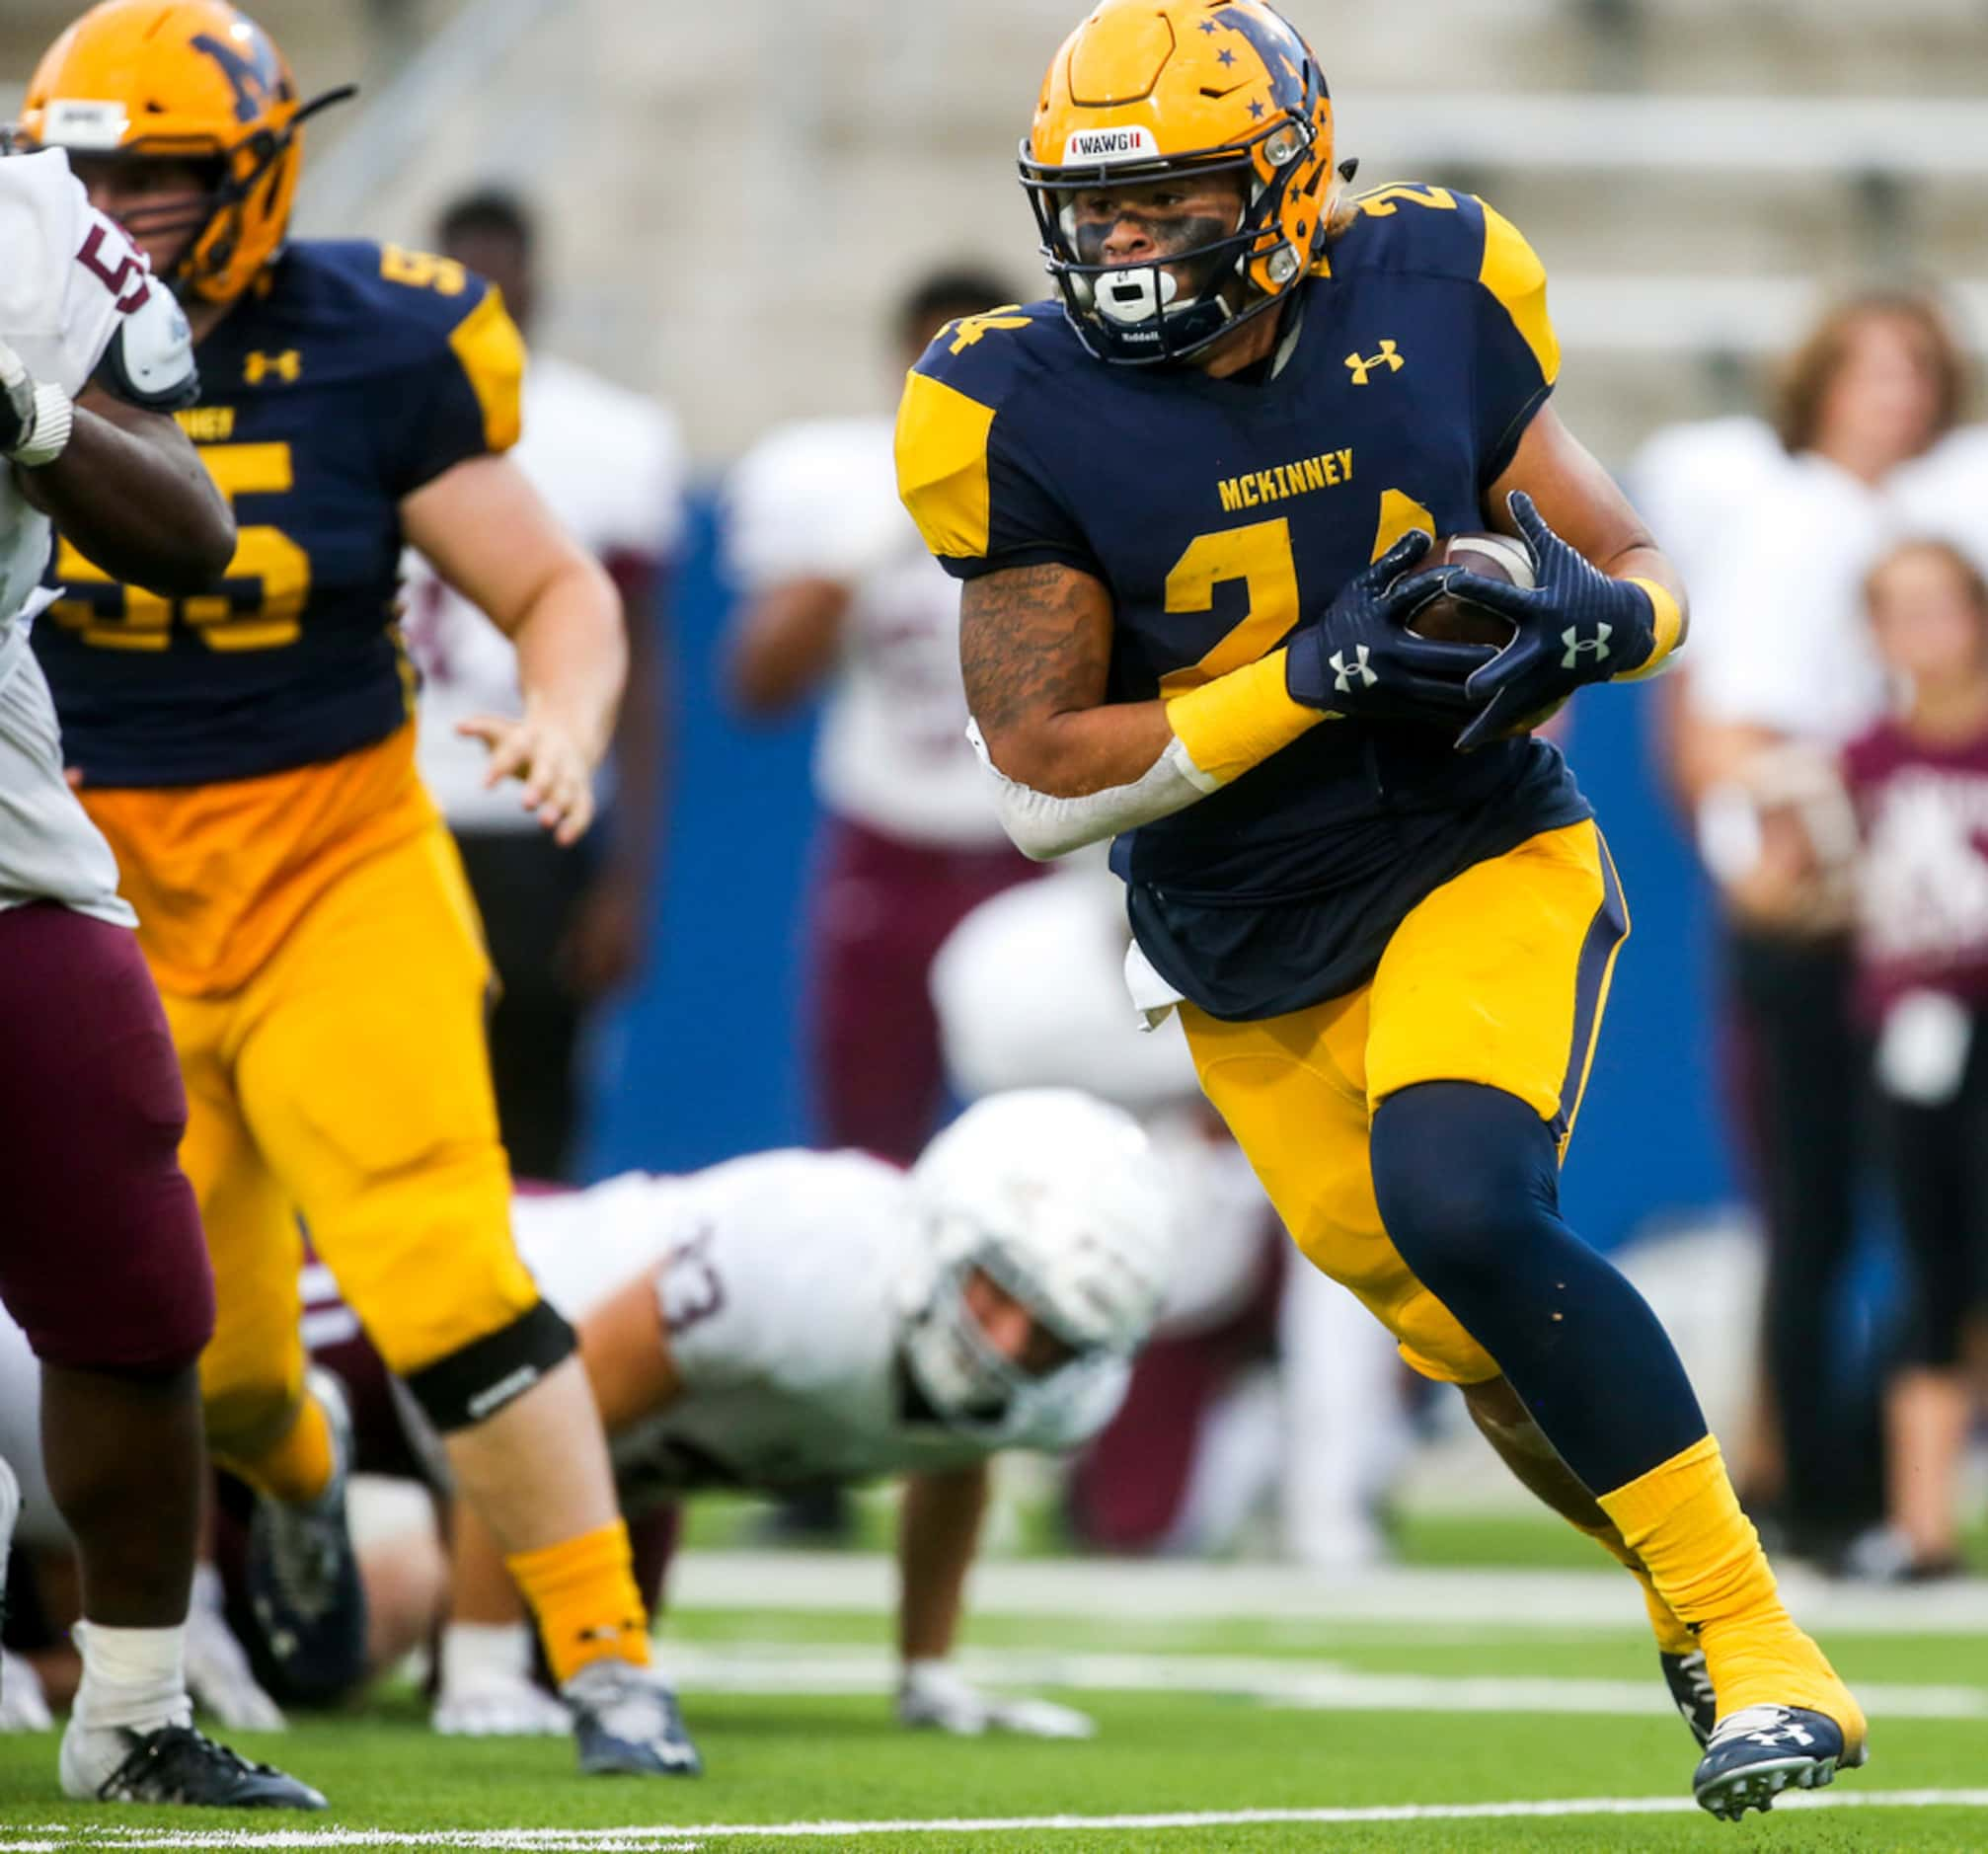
[[743, 184], [738, 188]]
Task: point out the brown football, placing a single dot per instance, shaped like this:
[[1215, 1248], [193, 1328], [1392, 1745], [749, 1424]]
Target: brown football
[[1451, 620]]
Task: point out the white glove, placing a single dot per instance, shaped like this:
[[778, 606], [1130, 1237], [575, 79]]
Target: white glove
[[218, 1676], [35, 420], [486, 1689], [934, 1695], [24, 1707], [500, 1709]]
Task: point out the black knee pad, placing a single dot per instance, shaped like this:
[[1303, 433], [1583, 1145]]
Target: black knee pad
[[1463, 1174], [471, 1385]]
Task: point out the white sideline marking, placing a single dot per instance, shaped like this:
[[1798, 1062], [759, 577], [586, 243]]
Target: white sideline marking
[[769, 1667], [629, 1841], [1139, 1590]]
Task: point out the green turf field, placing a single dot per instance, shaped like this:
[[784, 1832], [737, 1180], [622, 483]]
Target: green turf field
[[1226, 1722]]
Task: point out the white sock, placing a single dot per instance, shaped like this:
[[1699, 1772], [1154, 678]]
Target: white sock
[[133, 1678], [477, 1653]]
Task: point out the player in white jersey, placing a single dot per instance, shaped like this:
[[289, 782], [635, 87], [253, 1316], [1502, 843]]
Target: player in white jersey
[[102, 1260], [565, 927], [799, 1318], [837, 599]]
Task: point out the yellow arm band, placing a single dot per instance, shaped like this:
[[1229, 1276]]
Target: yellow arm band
[[1238, 720], [1670, 632]]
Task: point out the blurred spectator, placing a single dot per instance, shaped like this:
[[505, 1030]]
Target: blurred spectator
[[564, 926], [1696, 484], [1780, 657], [1263, 1376], [1919, 782], [840, 595]]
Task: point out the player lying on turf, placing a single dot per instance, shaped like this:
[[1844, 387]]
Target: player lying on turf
[[1186, 496], [797, 1318], [247, 751], [101, 1258]]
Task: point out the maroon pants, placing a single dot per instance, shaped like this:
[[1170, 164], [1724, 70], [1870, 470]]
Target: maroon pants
[[881, 910], [102, 1259], [1129, 1486]]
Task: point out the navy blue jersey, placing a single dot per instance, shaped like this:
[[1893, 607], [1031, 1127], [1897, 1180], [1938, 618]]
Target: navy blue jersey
[[350, 375], [1219, 514]]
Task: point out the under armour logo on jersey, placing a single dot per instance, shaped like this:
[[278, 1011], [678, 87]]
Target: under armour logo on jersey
[[1344, 672], [288, 366], [1387, 357], [1578, 647]]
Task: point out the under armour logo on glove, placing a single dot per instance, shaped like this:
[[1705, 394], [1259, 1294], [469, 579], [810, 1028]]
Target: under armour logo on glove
[[1575, 625], [1578, 647], [1358, 660], [1344, 672]]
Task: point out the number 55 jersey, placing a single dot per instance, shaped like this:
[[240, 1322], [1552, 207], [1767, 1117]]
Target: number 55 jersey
[[1220, 514], [242, 747]]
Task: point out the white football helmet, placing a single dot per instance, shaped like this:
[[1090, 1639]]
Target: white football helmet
[[1056, 1196]]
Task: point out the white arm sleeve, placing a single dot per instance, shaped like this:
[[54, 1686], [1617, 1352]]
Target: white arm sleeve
[[1042, 826]]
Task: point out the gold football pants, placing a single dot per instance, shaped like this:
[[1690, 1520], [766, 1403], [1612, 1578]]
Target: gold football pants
[[1500, 976], [348, 1084]]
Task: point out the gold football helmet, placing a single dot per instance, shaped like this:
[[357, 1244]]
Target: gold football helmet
[[1147, 89]]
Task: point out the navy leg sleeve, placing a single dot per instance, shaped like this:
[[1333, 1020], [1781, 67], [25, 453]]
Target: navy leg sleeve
[[1468, 1189]]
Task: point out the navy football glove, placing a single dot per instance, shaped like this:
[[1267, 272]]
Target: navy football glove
[[1575, 626], [1358, 662]]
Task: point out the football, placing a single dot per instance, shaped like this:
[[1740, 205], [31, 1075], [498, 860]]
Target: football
[[1449, 620]]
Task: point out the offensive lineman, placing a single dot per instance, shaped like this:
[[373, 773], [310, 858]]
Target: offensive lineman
[[1182, 498], [249, 754], [101, 1258]]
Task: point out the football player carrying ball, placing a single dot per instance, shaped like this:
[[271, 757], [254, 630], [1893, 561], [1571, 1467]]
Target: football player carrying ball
[[1184, 495]]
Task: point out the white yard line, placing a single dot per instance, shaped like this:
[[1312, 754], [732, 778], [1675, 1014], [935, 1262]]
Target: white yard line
[[62, 1838], [774, 1668], [1139, 1590]]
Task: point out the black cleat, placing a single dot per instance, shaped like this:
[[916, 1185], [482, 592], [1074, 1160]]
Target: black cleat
[[308, 1604], [1762, 1750], [1690, 1683], [177, 1764], [626, 1723]]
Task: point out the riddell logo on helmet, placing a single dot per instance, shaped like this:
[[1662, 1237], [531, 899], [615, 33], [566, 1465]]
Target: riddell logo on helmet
[[1109, 144]]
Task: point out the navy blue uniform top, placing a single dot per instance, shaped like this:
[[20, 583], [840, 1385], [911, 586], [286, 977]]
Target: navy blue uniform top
[[349, 376], [1219, 512]]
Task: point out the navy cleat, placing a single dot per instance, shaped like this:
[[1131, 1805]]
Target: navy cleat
[[1691, 1691], [626, 1723], [177, 1764], [308, 1604], [1762, 1750]]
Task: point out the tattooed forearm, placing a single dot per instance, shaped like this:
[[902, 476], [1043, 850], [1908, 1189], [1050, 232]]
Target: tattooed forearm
[[1034, 641], [1034, 651]]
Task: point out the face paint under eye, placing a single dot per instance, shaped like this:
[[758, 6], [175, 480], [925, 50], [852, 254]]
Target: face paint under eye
[[1171, 234]]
